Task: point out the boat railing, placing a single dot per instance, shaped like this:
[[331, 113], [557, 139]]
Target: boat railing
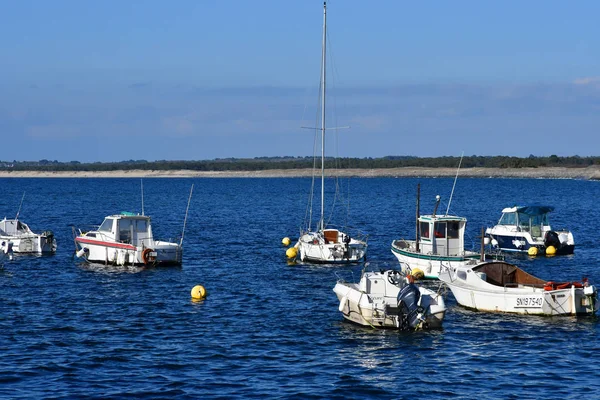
[[83, 229]]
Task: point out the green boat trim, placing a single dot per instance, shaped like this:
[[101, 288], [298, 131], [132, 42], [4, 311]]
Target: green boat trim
[[433, 257]]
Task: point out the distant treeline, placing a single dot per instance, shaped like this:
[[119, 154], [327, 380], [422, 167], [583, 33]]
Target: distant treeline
[[269, 163]]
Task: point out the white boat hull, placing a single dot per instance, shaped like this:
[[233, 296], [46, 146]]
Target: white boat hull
[[124, 254], [471, 290], [39, 244], [313, 247], [431, 264]]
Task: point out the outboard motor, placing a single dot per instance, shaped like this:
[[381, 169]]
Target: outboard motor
[[551, 239], [50, 239], [408, 303]]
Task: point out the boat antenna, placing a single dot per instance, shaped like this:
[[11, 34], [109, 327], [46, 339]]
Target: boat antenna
[[186, 214], [19, 210], [454, 184], [417, 218], [482, 244], [142, 186]]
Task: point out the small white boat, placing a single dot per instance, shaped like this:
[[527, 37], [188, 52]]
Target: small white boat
[[389, 299], [523, 228], [440, 241], [126, 239], [497, 286], [327, 244], [23, 240]]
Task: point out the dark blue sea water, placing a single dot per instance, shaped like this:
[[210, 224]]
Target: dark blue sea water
[[269, 329]]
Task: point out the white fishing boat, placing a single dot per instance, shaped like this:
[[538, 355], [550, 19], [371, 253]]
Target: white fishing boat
[[497, 286], [527, 229], [389, 299], [24, 240], [326, 243], [126, 239], [439, 242]]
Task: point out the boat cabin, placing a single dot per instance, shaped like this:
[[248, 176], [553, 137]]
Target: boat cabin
[[126, 228], [442, 235], [531, 219], [13, 227]]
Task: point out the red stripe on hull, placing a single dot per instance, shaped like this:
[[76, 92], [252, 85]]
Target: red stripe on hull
[[105, 244]]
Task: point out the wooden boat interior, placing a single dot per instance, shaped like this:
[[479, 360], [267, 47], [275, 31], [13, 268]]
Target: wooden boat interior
[[500, 273]]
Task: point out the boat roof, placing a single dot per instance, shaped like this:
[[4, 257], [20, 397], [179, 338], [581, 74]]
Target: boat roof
[[442, 218], [533, 209], [128, 215]]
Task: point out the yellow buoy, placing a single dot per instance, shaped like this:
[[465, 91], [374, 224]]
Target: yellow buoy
[[198, 292], [550, 250], [291, 252], [286, 241], [533, 251], [418, 274]]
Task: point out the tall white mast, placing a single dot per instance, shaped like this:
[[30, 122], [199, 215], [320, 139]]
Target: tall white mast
[[323, 56]]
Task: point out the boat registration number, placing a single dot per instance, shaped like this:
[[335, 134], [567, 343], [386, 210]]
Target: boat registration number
[[534, 302]]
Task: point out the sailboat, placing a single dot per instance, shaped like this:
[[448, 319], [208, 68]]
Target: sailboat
[[327, 244]]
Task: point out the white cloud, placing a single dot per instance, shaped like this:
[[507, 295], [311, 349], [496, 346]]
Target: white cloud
[[592, 80]]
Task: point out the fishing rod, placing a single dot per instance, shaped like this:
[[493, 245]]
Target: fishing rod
[[454, 184], [186, 214], [19, 210]]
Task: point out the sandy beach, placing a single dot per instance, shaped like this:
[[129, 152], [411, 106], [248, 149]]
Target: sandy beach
[[592, 172]]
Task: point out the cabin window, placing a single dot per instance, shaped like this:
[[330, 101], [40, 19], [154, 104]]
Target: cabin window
[[453, 229], [424, 228], [524, 221], [508, 219], [106, 225], [538, 219], [439, 229], [125, 230], [141, 225]]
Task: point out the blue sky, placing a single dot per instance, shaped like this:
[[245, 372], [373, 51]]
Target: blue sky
[[191, 80]]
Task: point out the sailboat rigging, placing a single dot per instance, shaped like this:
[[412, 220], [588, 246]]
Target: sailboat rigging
[[327, 244]]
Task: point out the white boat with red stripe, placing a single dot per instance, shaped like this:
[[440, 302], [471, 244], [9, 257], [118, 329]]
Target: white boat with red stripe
[[126, 239]]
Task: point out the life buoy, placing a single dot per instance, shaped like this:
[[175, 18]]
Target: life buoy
[[146, 255]]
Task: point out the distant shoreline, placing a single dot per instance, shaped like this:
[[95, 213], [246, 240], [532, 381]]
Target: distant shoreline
[[591, 173]]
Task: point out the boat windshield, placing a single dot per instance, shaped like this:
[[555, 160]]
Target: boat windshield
[[106, 225], [508, 219]]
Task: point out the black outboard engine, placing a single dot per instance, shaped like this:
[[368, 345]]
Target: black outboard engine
[[551, 239], [408, 303]]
